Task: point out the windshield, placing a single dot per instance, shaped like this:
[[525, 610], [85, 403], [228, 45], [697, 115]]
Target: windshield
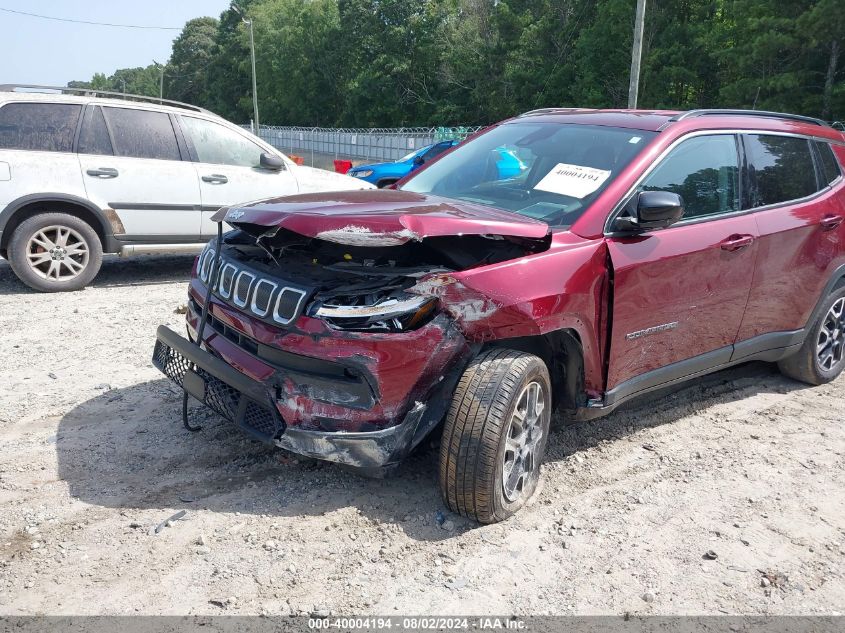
[[412, 154], [547, 171]]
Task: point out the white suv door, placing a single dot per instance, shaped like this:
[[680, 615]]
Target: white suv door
[[229, 170], [131, 162]]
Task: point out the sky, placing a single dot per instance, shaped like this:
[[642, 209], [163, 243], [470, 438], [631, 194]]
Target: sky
[[47, 52]]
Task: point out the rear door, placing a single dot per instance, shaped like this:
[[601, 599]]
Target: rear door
[[794, 187], [679, 294], [227, 164], [131, 162]]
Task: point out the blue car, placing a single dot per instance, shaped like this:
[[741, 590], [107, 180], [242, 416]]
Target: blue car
[[384, 174], [508, 164]]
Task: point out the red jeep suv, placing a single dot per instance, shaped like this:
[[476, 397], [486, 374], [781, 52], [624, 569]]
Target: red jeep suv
[[634, 250]]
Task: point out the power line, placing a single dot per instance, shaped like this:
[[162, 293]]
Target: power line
[[123, 26]]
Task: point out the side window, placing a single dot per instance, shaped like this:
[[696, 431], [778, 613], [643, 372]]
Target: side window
[[438, 149], [829, 164], [779, 169], [94, 138], [142, 133], [43, 127], [217, 144], [704, 171]]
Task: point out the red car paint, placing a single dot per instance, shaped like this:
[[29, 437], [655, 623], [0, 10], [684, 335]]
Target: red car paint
[[712, 291]]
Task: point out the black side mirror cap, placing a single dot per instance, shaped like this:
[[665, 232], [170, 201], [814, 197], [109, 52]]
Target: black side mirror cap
[[271, 162], [649, 210]]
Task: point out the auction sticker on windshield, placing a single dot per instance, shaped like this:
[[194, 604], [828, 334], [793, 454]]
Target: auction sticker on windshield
[[573, 180]]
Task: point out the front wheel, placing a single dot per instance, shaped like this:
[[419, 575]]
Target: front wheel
[[495, 435], [822, 357], [55, 252]]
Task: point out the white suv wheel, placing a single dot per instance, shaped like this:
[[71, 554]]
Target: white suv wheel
[[57, 253], [54, 252]]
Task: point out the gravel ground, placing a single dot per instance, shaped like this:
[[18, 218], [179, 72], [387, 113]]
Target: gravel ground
[[722, 497]]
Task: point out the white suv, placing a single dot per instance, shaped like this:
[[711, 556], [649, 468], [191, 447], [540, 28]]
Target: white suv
[[82, 175]]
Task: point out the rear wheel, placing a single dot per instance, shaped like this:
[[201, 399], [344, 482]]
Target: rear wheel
[[55, 252], [822, 357], [495, 435]]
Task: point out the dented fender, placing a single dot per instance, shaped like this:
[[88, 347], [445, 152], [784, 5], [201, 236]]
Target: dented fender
[[564, 287]]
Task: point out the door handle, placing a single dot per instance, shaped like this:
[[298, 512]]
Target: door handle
[[736, 242], [830, 222], [103, 172], [217, 179]]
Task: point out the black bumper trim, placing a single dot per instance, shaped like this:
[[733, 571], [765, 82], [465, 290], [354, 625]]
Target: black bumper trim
[[238, 398], [372, 453]]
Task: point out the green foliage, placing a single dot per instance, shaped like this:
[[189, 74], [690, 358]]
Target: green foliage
[[193, 51], [451, 62]]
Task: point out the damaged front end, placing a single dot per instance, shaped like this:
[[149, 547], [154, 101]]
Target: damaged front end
[[337, 344]]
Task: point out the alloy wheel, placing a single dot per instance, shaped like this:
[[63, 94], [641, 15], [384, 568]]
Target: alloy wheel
[[57, 253], [521, 461], [831, 341]]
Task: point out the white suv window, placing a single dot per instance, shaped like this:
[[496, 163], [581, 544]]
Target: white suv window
[[142, 133], [41, 127], [217, 144]]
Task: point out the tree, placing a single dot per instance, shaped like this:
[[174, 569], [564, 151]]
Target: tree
[[229, 90], [362, 63], [193, 51], [824, 26]]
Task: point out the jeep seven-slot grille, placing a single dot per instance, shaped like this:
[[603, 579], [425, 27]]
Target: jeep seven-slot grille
[[219, 397], [262, 296]]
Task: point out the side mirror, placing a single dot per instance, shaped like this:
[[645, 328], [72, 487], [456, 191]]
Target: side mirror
[[650, 210], [271, 162], [418, 160]]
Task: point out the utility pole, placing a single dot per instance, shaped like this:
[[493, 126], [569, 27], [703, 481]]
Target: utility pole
[[255, 127], [160, 82], [636, 55]]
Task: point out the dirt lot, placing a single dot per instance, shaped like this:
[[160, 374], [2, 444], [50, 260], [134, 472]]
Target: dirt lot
[[724, 497]]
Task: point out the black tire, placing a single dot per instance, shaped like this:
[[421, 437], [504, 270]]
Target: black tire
[[475, 444], [807, 365], [82, 264], [381, 184]]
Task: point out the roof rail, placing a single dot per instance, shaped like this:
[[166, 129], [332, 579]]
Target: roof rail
[[23, 88], [549, 110], [689, 114]]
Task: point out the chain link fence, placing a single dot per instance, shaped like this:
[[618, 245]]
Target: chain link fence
[[319, 146], [367, 144]]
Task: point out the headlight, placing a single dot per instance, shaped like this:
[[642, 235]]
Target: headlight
[[363, 173], [387, 315]]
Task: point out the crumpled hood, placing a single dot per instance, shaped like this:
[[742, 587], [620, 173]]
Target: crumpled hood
[[380, 217]]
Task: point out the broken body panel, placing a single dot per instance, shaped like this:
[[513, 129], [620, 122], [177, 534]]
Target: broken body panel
[[365, 394]]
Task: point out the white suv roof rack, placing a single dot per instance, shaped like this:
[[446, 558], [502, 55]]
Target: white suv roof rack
[[91, 92]]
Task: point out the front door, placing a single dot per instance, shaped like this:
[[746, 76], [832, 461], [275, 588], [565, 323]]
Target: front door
[[131, 162], [680, 293], [228, 168]]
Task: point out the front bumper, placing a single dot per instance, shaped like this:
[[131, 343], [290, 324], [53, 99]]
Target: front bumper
[[252, 406]]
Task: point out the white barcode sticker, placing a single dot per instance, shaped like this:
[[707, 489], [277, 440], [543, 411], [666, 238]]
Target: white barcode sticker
[[575, 181]]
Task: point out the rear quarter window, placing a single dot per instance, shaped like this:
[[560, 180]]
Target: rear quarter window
[[43, 127], [829, 164], [778, 169]]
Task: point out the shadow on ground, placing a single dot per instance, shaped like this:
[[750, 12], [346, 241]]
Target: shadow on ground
[[126, 448], [117, 272]]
